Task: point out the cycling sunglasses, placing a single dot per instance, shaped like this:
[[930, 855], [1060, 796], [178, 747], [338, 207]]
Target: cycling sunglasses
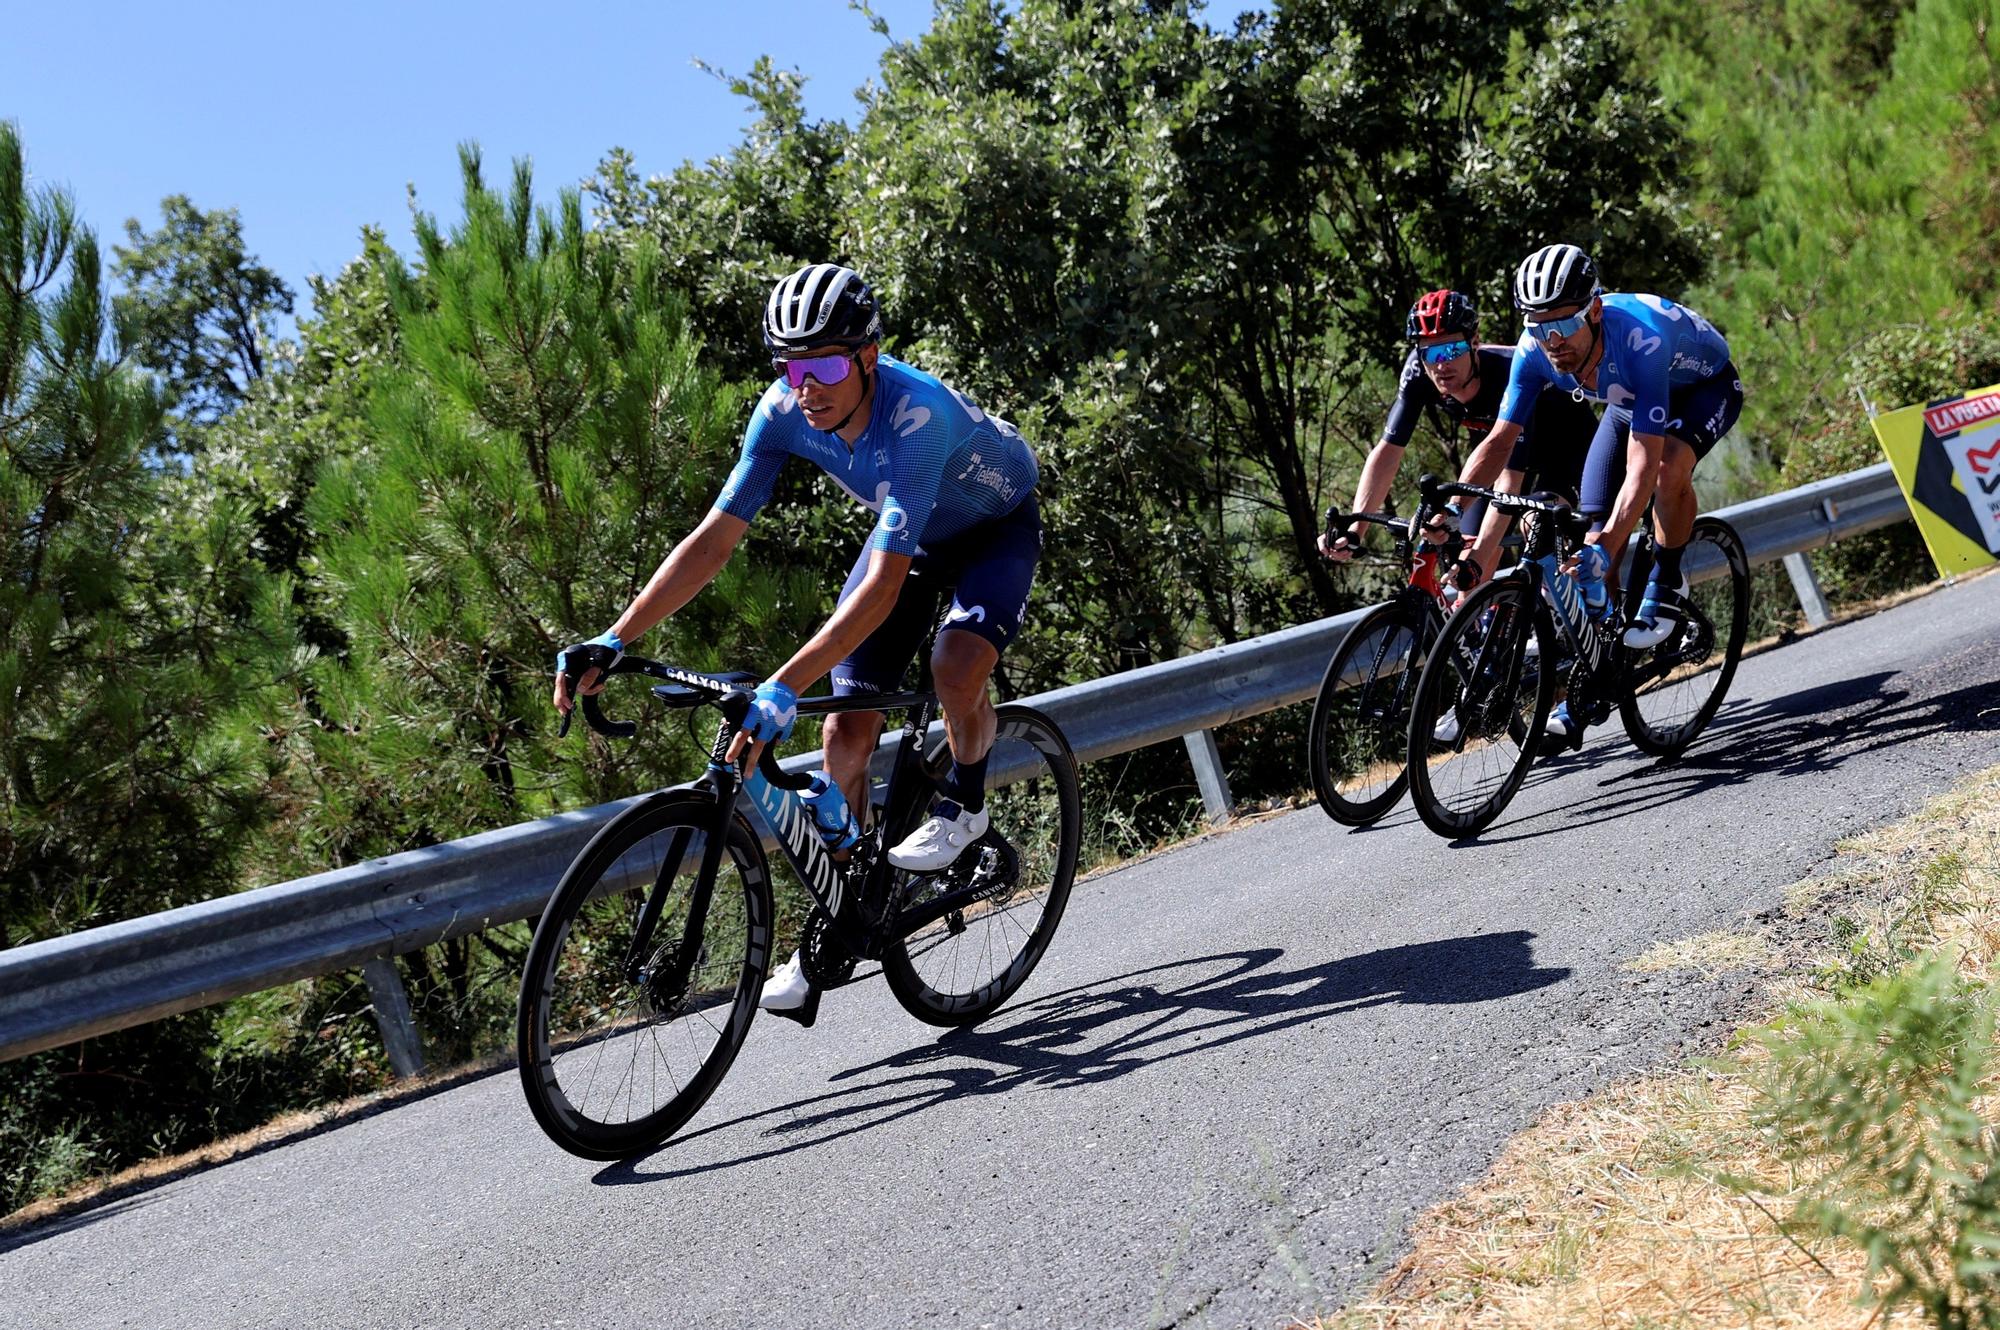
[[826, 370], [1445, 352], [1554, 328]]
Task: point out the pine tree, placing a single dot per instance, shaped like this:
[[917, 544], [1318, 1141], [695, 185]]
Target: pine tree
[[132, 630]]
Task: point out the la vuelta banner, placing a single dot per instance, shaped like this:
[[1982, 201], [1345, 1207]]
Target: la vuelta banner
[[1946, 456]]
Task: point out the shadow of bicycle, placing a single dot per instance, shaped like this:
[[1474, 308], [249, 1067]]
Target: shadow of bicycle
[[1805, 733], [1110, 1029]]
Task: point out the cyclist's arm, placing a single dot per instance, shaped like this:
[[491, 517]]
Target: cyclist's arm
[[1642, 470], [1414, 392], [691, 566], [1378, 473], [1524, 385], [1485, 551], [1490, 455], [859, 615]]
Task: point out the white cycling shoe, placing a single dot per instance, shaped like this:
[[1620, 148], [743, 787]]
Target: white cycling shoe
[[1647, 631], [1446, 730], [946, 834], [790, 994]]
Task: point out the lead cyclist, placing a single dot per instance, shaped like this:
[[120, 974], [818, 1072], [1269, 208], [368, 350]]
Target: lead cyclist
[[954, 491]]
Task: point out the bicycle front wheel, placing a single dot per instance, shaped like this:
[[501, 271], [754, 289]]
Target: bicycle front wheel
[[1678, 685], [619, 1046], [1360, 729], [1480, 708], [958, 968]]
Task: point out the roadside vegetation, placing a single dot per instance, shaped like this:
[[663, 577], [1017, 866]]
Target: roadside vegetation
[[268, 607], [1833, 1166]]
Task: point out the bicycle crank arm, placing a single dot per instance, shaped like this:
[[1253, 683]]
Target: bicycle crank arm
[[991, 874]]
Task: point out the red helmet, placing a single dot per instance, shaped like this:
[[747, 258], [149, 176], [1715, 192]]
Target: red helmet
[[1438, 313]]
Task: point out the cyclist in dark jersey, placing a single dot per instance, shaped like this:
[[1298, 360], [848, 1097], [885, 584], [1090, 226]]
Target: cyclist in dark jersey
[[954, 491], [1460, 385]]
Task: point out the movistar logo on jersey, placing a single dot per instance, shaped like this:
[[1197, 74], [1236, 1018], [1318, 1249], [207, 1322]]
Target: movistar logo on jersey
[[1643, 344], [907, 419]]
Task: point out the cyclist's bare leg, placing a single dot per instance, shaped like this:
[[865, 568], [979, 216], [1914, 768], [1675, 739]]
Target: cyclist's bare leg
[[848, 742], [1674, 505], [961, 665]]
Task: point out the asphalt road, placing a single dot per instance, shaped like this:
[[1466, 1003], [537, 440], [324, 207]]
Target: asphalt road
[[1241, 1071]]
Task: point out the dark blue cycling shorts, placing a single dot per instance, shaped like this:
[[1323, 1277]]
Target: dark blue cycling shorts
[[992, 565], [1702, 413]]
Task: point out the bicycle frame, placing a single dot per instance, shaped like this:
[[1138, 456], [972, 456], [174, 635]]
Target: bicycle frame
[[859, 910]]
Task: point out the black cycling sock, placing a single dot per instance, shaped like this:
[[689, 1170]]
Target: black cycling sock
[[965, 783], [1667, 566]]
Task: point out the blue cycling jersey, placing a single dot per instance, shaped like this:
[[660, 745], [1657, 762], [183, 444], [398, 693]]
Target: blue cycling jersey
[[930, 462], [1651, 346]]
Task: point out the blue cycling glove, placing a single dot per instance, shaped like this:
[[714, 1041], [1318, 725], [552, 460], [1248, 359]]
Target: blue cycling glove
[[772, 712], [1591, 566], [600, 652]]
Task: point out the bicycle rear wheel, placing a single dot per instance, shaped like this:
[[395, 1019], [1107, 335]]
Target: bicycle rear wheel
[[1477, 682], [959, 968], [1678, 685], [616, 1056], [1359, 736]]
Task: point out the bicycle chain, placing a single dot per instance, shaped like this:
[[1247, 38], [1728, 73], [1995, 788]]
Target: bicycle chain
[[827, 964]]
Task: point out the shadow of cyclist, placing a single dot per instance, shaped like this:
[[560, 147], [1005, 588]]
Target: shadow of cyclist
[[1804, 733], [1112, 1028]]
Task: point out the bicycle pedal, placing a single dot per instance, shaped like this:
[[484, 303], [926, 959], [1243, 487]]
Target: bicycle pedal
[[805, 1013]]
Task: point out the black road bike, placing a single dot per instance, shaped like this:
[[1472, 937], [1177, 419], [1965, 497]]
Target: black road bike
[[644, 973], [1483, 700], [1359, 737]]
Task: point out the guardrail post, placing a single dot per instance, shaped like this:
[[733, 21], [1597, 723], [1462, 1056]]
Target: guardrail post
[[1806, 584], [1208, 773], [392, 1014]]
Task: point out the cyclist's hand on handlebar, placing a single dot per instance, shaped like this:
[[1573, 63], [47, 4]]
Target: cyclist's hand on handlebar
[[585, 665], [1340, 548], [1466, 575], [773, 711], [1442, 526]]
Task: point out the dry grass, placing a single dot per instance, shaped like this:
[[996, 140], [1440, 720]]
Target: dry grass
[[1618, 1211], [1711, 953]]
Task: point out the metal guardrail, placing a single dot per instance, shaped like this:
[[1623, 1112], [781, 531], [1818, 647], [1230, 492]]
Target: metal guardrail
[[124, 974]]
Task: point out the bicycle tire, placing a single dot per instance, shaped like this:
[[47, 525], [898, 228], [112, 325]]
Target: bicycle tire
[[1495, 719], [1367, 722], [1051, 801], [1665, 717], [575, 972]]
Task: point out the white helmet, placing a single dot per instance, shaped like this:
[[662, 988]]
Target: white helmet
[[1554, 276], [822, 304]]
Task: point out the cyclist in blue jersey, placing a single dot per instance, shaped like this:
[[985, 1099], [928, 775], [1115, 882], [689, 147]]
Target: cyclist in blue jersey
[[954, 490], [1670, 392]]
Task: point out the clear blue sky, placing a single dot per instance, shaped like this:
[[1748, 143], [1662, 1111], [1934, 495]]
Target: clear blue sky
[[310, 120]]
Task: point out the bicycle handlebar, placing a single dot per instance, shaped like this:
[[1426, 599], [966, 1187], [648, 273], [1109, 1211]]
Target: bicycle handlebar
[[1436, 491], [683, 688]]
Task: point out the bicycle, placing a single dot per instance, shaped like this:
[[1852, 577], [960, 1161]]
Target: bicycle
[[641, 982], [1358, 739], [1497, 695]]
